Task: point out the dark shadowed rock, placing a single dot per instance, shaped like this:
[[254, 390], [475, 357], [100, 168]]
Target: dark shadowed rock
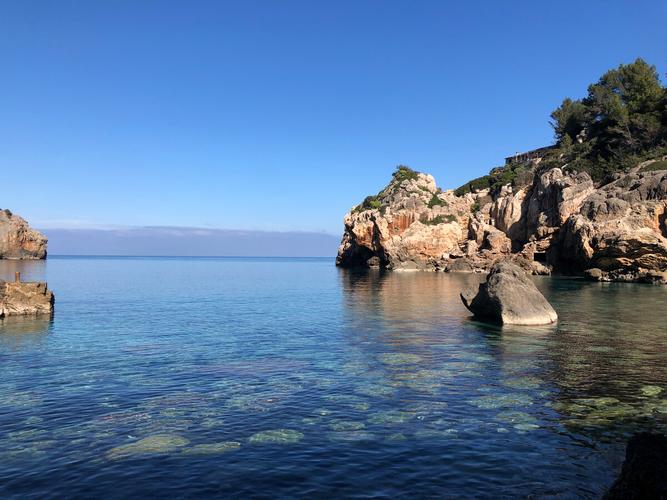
[[593, 274], [509, 297], [644, 472]]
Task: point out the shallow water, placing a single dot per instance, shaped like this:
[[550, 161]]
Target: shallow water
[[289, 377]]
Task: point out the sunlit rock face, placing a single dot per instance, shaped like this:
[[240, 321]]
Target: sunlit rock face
[[509, 297], [559, 222], [620, 230], [24, 299], [18, 240], [409, 225]]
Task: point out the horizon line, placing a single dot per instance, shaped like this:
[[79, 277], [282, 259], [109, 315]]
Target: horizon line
[[186, 256]]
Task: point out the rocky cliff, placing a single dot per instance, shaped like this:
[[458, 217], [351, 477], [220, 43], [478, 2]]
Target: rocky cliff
[[559, 221], [18, 240]]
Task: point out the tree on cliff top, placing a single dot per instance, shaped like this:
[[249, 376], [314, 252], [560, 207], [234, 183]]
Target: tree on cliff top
[[623, 115]]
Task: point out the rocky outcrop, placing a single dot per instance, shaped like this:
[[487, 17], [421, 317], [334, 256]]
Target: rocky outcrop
[[18, 240], [408, 225], [509, 297], [25, 298], [559, 222], [619, 230], [644, 472]]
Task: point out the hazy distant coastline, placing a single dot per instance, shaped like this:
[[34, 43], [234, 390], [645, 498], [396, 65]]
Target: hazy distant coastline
[[190, 241]]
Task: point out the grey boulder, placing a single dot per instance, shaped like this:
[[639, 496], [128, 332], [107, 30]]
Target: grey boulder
[[509, 297]]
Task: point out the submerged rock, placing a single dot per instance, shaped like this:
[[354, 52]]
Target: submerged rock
[[346, 425], [213, 448], [644, 472], [509, 297], [391, 417], [400, 359], [160, 443], [276, 436], [356, 435], [651, 390]]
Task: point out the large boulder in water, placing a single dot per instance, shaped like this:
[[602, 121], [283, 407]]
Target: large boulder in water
[[509, 297], [644, 472]]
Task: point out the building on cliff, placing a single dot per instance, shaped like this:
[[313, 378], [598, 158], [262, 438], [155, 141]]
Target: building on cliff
[[535, 155]]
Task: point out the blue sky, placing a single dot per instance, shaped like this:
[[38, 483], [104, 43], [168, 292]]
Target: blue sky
[[281, 115]]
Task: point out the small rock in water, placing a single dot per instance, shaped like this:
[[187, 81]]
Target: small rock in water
[[276, 436]]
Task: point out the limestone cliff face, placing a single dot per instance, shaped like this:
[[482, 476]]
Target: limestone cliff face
[[620, 231], [18, 240], [409, 225], [559, 222]]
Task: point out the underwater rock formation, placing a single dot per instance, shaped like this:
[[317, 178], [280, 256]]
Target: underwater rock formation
[[559, 221], [644, 472], [509, 297], [18, 240]]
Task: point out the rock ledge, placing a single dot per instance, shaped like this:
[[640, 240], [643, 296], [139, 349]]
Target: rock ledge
[[25, 298]]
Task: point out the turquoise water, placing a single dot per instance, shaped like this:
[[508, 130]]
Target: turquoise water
[[292, 378]]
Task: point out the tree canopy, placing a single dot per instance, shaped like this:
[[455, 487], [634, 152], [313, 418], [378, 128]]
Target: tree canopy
[[623, 116]]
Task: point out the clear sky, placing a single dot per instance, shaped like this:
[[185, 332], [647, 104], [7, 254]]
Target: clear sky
[[280, 115]]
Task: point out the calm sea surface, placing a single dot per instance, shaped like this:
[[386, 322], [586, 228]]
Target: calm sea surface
[[291, 378]]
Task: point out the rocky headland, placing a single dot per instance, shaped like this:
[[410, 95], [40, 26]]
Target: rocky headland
[[544, 220], [593, 203], [18, 240]]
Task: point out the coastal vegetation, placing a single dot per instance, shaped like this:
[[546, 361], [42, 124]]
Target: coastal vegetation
[[374, 202], [621, 122], [439, 219]]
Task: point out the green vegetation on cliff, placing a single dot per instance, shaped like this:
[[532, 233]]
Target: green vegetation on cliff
[[374, 202], [621, 122], [515, 174], [440, 219]]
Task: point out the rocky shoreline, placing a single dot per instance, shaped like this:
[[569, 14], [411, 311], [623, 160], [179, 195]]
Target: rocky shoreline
[[18, 241], [553, 221]]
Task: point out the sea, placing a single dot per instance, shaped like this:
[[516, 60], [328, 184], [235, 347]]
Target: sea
[[291, 378]]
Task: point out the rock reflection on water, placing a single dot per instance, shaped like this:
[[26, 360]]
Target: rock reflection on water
[[381, 378]]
